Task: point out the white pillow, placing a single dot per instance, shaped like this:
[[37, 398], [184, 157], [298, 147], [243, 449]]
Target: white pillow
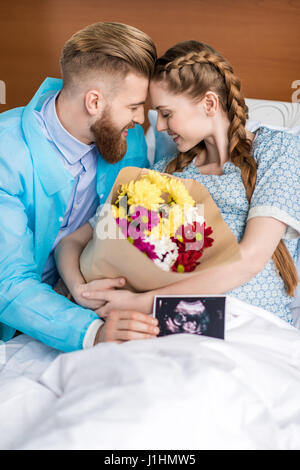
[[253, 125]]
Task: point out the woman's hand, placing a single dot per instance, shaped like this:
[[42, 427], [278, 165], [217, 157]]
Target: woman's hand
[[122, 325], [96, 288], [119, 300]]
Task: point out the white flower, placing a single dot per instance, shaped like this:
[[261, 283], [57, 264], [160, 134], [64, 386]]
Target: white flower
[[192, 215], [162, 265], [166, 251]]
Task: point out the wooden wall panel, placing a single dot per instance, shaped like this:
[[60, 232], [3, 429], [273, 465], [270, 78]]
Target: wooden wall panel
[[261, 38]]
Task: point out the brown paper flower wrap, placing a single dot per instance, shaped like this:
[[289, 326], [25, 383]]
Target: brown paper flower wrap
[[116, 257]]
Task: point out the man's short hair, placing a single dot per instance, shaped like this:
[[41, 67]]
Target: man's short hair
[[110, 48]]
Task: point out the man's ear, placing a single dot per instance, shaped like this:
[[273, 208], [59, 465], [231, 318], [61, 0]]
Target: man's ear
[[210, 103], [94, 102]]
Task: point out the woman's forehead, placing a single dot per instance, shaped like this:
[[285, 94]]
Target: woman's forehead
[[162, 97]]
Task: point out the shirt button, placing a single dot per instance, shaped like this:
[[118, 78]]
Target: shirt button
[[101, 196], [60, 219]]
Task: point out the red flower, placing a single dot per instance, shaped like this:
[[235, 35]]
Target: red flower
[[187, 261], [191, 241], [207, 240]]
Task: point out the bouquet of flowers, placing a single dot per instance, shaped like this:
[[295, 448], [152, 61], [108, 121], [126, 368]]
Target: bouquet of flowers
[[160, 218], [152, 231]]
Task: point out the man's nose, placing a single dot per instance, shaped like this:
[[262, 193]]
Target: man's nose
[[139, 118]]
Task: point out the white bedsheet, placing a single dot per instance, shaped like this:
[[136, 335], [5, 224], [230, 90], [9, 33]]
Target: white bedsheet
[[22, 397], [176, 392]]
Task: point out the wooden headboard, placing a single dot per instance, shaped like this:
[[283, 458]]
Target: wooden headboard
[[261, 38]]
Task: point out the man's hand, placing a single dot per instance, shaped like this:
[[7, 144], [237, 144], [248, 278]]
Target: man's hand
[[122, 325], [99, 286]]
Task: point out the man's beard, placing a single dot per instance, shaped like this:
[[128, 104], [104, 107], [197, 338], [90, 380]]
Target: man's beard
[[108, 139]]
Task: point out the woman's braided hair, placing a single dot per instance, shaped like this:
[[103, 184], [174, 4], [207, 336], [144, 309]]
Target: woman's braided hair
[[193, 68]]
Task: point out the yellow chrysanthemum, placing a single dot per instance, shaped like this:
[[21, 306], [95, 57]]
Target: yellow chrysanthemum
[[179, 194], [122, 212], [169, 226], [122, 192], [161, 181], [174, 187], [161, 230], [148, 192], [119, 212], [115, 211], [142, 193], [176, 217]]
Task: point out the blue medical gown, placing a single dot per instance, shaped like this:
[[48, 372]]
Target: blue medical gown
[[34, 192]]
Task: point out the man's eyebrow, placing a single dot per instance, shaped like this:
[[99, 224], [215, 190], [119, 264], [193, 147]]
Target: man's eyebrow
[[160, 106], [137, 104]]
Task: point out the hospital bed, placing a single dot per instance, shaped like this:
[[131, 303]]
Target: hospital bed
[[174, 392]]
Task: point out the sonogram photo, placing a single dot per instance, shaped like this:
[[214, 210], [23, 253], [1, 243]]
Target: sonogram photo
[[193, 315]]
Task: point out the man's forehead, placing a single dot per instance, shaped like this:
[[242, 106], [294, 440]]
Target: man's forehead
[[132, 89], [134, 81]]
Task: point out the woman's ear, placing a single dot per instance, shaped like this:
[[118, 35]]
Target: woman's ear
[[210, 103], [94, 102]]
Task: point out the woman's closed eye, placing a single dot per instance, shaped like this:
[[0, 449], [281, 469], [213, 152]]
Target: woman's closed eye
[[164, 113]]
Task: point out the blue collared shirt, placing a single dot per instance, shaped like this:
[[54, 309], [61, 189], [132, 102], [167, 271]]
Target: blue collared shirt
[[81, 161]]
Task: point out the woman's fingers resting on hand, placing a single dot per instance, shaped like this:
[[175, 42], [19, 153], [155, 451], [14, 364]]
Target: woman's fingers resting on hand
[[91, 295], [93, 289]]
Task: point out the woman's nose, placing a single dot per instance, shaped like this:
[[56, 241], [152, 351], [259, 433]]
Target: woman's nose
[[161, 124]]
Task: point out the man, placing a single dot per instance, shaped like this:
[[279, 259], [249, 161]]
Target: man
[[59, 156]]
